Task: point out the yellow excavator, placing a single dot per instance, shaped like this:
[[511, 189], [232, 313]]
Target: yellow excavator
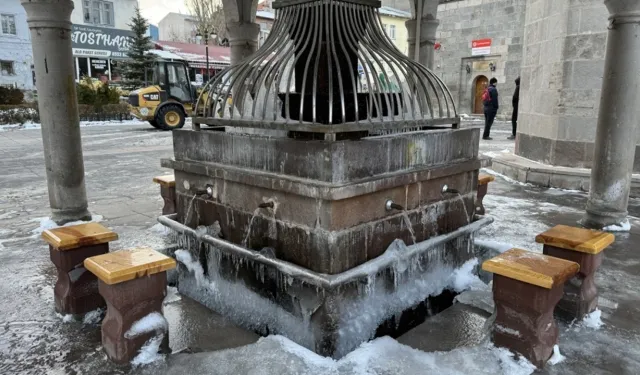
[[168, 97]]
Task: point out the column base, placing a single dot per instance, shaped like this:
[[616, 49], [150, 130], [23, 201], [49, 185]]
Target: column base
[[62, 217], [599, 219]]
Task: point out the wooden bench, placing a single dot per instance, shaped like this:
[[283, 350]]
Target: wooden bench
[[527, 287], [585, 247], [76, 291], [134, 283], [483, 187], [168, 192]]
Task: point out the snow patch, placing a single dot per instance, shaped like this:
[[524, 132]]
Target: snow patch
[[506, 330], [172, 295], [508, 179], [464, 277], [93, 317], [625, 226], [499, 247], [160, 229], [149, 352], [556, 357], [46, 223], [593, 320], [68, 318], [83, 124], [154, 322]]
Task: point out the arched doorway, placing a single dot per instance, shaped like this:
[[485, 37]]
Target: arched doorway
[[481, 83]]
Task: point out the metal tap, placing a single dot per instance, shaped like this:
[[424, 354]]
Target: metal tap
[[391, 205]]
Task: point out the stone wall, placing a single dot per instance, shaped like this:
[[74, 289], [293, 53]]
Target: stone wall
[[463, 21], [561, 80]]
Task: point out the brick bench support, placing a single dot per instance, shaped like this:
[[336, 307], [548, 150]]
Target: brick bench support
[[76, 290], [483, 187], [584, 247], [167, 192], [133, 283], [526, 289]]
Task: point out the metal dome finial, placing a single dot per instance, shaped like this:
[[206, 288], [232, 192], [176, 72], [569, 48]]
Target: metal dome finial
[[327, 67]]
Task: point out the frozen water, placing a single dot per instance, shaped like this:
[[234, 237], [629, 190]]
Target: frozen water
[[463, 278], [625, 226], [149, 352], [93, 317], [482, 299], [507, 330], [32, 125], [160, 229], [593, 320], [154, 322], [508, 179], [46, 223], [172, 295], [69, 318], [556, 357], [498, 247], [383, 356]]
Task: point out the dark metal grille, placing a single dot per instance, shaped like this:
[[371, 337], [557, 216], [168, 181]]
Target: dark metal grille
[[327, 67]]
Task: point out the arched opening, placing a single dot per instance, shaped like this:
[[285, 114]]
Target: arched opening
[[480, 83]]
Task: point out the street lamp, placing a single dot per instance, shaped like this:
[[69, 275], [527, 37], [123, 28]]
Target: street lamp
[[206, 48]]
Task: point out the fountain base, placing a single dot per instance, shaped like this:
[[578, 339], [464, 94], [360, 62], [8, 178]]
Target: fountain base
[[329, 314]]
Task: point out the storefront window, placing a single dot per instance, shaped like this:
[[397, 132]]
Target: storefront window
[[83, 67], [100, 69]]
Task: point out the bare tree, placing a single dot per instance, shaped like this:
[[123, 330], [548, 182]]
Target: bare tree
[[209, 17]]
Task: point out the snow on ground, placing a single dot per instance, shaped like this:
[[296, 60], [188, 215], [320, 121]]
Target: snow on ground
[[557, 357], [625, 226], [149, 352], [83, 124], [593, 320], [46, 223]]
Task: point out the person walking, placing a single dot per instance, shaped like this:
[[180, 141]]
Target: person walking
[[491, 105], [514, 117]]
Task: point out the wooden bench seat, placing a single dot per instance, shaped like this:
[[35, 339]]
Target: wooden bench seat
[[168, 180], [532, 268], [483, 188], [527, 287], [585, 247], [576, 239], [484, 179], [76, 291], [133, 283], [167, 192]]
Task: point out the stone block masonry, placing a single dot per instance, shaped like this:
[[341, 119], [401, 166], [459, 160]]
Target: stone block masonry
[[461, 22]]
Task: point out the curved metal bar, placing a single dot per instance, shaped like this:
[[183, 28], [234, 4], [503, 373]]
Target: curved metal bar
[[385, 261], [315, 26]]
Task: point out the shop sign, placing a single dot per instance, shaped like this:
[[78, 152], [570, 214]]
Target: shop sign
[[93, 41]]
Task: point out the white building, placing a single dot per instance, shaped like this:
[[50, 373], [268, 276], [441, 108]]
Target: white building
[[104, 13], [16, 55], [176, 27], [100, 36]]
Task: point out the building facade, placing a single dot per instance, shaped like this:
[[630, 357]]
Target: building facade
[[100, 37], [393, 21], [177, 27], [497, 27], [16, 55]]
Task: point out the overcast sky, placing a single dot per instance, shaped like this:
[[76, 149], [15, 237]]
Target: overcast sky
[[155, 10]]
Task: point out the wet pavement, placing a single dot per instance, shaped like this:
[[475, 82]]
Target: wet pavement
[[120, 162]]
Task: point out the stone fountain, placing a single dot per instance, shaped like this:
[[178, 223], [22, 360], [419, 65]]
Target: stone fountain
[[332, 198]]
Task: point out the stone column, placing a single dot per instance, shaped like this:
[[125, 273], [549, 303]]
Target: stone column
[[50, 25], [428, 26], [618, 118], [243, 39]]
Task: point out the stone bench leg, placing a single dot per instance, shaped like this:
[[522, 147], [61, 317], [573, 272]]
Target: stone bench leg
[[580, 293], [524, 319], [168, 194], [482, 191], [76, 290], [127, 303]]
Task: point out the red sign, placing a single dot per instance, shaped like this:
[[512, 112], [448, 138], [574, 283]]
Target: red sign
[[481, 47], [481, 43]]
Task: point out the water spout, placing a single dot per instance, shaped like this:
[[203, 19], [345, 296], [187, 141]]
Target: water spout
[[269, 204], [391, 205]]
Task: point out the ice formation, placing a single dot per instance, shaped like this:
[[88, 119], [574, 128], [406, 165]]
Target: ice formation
[[625, 226], [150, 352], [154, 322], [93, 317], [360, 314], [593, 320], [556, 357]]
